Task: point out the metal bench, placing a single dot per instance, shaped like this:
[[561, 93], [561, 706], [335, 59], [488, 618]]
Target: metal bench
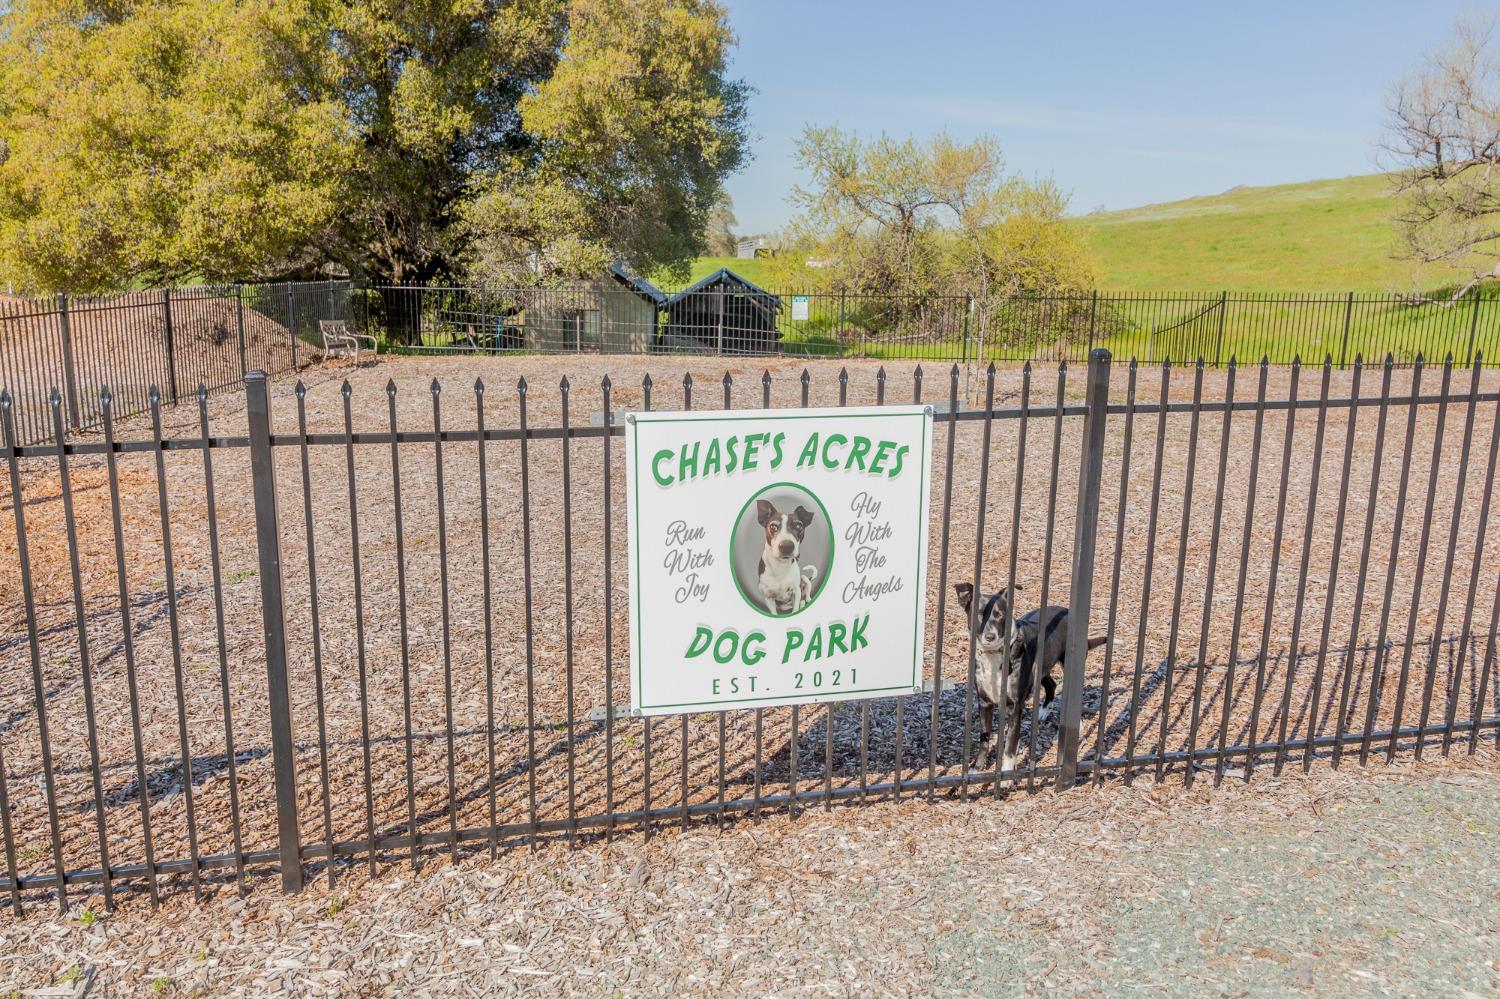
[[338, 341]]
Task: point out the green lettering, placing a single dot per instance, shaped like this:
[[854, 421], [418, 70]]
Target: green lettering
[[857, 639], [814, 647], [857, 453], [809, 454], [752, 656], [900, 453], [752, 446], [661, 480], [836, 638], [828, 445], [687, 462], [699, 645], [776, 443], [733, 459], [712, 461], [720, 656], [793, 642], [882, 452]]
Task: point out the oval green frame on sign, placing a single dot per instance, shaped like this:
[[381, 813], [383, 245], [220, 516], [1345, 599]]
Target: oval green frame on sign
[[832, 548]]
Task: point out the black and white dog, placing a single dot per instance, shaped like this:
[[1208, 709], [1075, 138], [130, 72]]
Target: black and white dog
[[785, 583], [1038, 643]]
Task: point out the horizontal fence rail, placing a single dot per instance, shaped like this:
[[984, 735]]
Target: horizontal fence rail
[[1288, 565], [608, 317], [176, 339]]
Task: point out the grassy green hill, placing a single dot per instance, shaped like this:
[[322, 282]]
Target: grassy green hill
[[750, 270], [1321, 235]]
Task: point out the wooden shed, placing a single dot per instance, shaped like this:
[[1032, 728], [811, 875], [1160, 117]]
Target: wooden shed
[[615, 313], [723, 313]]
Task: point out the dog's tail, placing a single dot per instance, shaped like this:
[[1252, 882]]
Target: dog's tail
[[811, 572], [1097, 640]]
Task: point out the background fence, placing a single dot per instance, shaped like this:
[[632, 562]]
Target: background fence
[[174, 338], [419, 644], [181, 338], [607, 317]]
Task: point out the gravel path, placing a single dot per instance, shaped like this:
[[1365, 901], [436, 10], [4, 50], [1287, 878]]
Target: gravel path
[[1381, 882]]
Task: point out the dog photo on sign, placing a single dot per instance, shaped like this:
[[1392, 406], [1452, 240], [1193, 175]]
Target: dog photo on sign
[[782, 546]]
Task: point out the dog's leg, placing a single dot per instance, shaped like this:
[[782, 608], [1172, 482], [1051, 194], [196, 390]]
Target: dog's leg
[[1049, 691], [1012, 733], [986, 733]]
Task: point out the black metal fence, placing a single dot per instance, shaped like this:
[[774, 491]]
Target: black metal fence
[[173, 338], [1286, 572], [607, 317]]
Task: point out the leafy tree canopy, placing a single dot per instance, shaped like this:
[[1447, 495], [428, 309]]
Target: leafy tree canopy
[[916, 217], [407, 141], [1444, 146]]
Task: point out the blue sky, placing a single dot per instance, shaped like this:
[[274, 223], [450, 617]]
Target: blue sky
[[1122, 103]]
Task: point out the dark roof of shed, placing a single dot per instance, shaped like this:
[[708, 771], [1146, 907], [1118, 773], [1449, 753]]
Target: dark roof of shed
[[725, 274], [639, 285]]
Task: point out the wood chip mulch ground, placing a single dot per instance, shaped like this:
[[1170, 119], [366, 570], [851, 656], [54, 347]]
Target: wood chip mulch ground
[[1357, 882]]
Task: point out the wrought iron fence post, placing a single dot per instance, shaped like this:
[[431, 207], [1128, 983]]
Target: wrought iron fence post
[[1344, 346], [1219, 340], [1473, 328], [273, 625], [166, 314], [70, 380], [239, 310], [1085, 530], [291, 324], [839, 334], [1093, 312]]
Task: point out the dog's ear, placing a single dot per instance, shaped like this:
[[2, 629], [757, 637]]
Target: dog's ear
[[965, 593], [764, 511], [804, 515]]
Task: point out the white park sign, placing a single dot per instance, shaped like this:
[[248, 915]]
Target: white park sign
[[776, 557]]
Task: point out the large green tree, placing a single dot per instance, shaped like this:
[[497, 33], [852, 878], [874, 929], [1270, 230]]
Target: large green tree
[[408, 141], [936, 216], [143, 143]]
